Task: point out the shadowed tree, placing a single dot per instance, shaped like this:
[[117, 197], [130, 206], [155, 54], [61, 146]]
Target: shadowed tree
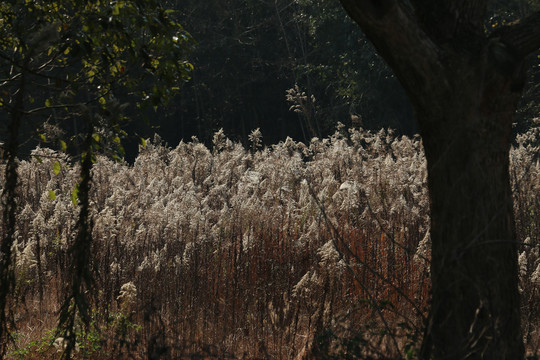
[[464, 83]]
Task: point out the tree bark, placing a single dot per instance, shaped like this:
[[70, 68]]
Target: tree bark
[[475, 309], [464, 86], [8, 199]]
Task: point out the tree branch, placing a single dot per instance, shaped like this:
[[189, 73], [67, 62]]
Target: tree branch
[[446, 20], [522, 36], [392, 27]]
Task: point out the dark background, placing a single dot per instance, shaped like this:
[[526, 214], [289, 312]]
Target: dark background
[[248, 53]]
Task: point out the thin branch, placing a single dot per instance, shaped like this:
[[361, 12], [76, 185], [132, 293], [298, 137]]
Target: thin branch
[[335, 231], [69, 106]]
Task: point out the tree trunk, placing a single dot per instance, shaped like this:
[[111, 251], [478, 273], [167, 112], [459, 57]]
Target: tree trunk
[[8, 201], [464, 85], [475, 310]]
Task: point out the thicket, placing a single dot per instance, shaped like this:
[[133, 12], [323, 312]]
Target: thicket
[[283, 252]]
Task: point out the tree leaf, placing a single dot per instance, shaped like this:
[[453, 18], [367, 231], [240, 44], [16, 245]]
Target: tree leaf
[[57, 167], [75, 195], [52, 195]]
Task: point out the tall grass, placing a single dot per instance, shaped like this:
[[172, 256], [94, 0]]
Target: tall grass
[[286, 252]]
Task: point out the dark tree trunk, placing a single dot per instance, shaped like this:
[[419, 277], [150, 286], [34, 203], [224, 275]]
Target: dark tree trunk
[[8, 201], [475, 300], [464, 86]]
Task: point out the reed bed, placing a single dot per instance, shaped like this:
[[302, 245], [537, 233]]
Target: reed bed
[[283, 252]]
